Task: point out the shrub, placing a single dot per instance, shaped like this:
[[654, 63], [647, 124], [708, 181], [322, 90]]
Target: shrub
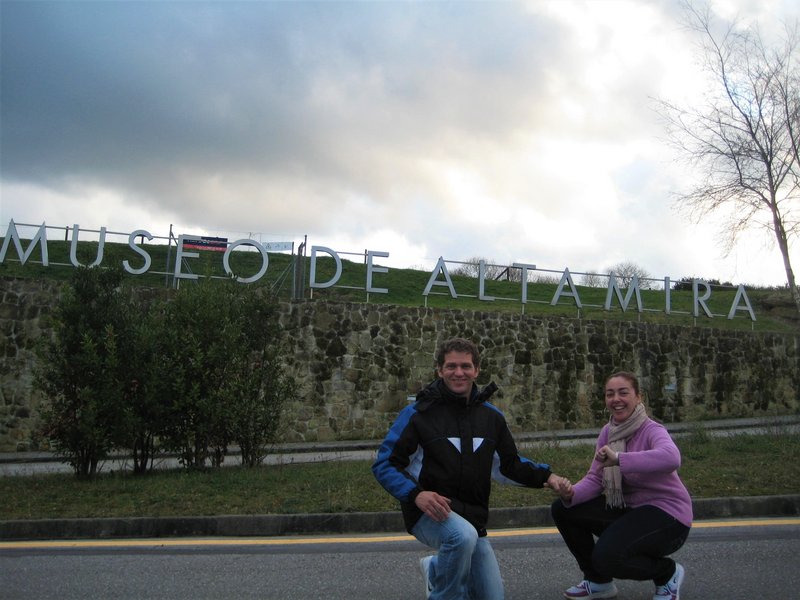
[[220, 347], [83, 369]]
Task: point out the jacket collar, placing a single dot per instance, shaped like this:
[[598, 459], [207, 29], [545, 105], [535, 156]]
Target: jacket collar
[[437, 392]]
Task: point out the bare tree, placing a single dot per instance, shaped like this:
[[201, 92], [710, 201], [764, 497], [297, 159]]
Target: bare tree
[[471, 268], [594, 280], [744, 139], [626, 270]]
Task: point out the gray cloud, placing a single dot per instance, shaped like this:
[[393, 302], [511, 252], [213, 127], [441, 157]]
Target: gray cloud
[[135, 91]]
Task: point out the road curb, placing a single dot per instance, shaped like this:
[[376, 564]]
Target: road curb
[[340, 523]]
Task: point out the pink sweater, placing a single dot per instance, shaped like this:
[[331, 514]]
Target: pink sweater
[[649, 469]]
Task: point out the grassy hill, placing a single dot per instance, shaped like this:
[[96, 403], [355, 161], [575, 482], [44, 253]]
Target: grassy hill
[[773, 307]]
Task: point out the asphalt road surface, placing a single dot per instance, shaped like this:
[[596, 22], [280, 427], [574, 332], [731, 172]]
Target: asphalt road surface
[[724, 560]]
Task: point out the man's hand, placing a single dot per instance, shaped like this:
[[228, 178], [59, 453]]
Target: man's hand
[[432, 504], [560, 485]]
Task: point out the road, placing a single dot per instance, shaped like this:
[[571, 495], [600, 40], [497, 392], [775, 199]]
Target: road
[[730, 560]]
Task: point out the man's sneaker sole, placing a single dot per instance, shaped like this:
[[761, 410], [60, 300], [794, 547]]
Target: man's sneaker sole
[[424, 566]]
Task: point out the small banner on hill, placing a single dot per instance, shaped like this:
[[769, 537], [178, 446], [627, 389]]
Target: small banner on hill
[[217, 244]]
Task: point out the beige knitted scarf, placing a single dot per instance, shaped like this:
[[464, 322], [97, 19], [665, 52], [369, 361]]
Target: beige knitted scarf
[[618, 434]]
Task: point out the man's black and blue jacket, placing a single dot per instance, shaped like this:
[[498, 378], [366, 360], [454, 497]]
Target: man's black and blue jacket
[[453, 446]]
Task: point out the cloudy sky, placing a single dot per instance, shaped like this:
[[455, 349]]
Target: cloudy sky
[[514, 131]]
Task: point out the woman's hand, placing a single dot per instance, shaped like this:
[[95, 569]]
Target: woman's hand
[[607, 457]]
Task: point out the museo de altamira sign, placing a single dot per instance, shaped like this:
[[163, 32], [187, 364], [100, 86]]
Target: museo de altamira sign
[[440, 276]]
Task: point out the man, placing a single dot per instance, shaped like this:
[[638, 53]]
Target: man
[[438, 460]]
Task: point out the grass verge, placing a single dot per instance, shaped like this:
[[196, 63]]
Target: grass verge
[[740, 465]]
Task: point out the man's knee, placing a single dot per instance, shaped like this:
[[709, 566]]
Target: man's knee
[[464, 538]]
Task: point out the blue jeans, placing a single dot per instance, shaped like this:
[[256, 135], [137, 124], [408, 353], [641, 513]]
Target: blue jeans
[[632, 543], [465, 567]]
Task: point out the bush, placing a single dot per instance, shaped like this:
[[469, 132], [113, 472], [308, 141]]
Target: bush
[[83, 369], [685, 284], [256, 386], [192, 374], [224, 384]]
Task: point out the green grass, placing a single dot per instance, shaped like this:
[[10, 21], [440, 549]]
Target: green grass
[[741, 465]]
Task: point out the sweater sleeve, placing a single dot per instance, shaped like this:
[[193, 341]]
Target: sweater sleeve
[[657, 453]]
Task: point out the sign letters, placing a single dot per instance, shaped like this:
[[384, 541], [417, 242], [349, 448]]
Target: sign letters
[[440, 276]]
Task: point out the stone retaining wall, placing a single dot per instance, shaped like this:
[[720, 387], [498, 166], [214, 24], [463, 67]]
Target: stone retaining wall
[[358, 363]]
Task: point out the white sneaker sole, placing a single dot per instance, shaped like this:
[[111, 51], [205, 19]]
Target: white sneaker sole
[[424, 566]]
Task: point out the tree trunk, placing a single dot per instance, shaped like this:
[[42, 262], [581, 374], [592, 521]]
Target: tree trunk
[[783, 245]]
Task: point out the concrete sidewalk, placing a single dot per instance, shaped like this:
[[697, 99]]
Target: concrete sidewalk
[[366, 523]]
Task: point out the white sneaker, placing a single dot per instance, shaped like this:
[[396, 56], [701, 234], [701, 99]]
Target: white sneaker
[[589, 590], [672, 589], [425, 567]]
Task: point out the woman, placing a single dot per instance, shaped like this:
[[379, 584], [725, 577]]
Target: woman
[[631, 498]]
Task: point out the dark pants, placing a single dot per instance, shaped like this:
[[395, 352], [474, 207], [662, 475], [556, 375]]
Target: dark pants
[[632, 543]]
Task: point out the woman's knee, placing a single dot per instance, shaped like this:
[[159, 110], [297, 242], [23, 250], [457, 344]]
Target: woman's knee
[[608, 558]]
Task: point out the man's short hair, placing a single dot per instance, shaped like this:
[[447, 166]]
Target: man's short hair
[[458, 345]]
